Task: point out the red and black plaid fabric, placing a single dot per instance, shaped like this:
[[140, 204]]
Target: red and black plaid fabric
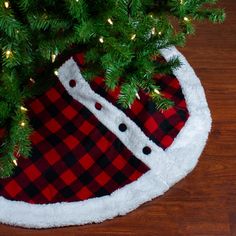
[[160, 127], [75, 157]]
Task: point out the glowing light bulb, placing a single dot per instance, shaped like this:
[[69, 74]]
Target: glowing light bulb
[[15, 162], [54, 57], [101, 39], [157, 91], [56, 72], [186, 18], [8, 53], [133, 37], [137, 95], [23, 108], [22, 124], [153, 31], [6, 4], [32, 80], [110, 21], [160, 33]]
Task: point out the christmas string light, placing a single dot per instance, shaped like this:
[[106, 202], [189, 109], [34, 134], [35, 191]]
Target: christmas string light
[[101, 39], [6, 4], [133, 37], [153, 31], [186, 18], [110, 21], [137, 95], [56, 72], [53, 57], [15, 162], [32, 80], [8, 53], [23, 108], [22, 124], [157, 91]]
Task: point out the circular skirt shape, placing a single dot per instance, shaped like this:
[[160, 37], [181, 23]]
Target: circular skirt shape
[[161, 165]]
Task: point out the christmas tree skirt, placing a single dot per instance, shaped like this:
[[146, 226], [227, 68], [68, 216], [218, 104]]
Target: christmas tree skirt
[[93, 160]]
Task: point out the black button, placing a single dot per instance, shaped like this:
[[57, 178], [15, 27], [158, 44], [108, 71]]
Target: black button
[[122, 127], [147, 150], [98, 106], [72, 83]]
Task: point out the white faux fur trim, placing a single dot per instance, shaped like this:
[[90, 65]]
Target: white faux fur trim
[[166, 167]]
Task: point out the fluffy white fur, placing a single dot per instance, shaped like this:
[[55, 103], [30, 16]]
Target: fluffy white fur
[[167, 167]]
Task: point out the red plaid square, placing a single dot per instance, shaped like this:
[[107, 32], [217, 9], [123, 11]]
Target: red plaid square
[[102, 178], [86, 127], [52, 156], [151, 124], [71, 142], [68, 177], [69, 112], [103, 144], [53, 125], [84, 194], [86, 161], [53, 95], [49, 192], [37, 106], [119, 162], [13, 188], [32, 172]]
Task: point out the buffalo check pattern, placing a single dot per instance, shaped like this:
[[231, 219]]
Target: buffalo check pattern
[[75, 157]]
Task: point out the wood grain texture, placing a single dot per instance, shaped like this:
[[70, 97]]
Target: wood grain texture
[[204, 203]]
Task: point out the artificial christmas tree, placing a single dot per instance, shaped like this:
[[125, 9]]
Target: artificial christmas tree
[[121, 40], [105, 111]]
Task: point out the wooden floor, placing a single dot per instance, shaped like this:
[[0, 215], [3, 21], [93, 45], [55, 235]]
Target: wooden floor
[[204, 203]]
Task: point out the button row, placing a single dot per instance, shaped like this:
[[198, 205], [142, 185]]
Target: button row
[[122, 127]]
